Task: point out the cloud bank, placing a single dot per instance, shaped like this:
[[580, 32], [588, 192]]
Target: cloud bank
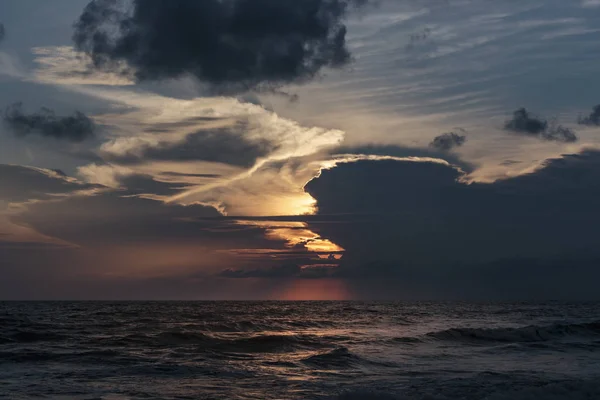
[[403, 214]]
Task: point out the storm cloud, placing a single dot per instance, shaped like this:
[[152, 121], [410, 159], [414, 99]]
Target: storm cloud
[[448, 141], [232, 45], [417, 223], [75, 128], [523, 122]]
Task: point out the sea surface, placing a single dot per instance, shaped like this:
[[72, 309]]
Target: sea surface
[[299, 350]]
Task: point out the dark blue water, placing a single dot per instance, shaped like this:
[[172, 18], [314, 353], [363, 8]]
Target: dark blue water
[[303, 350]]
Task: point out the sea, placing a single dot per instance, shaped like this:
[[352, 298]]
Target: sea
[[299, 350]]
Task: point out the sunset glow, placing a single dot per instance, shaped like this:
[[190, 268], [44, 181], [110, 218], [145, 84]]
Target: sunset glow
[[295, 234]]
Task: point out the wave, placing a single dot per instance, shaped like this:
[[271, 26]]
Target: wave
[[265, 343], [180, 338], [27, 336], [78, 357], [339, 358], [559, 390], [407, 339], [252, 326], [366, 395], [526, 334], [270, 343], [567, 390]]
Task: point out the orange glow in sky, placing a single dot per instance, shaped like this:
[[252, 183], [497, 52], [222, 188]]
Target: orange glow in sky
[[295, 234], [312, 289]]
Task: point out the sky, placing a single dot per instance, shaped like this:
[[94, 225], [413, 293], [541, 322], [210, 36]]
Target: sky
[[299, 149]]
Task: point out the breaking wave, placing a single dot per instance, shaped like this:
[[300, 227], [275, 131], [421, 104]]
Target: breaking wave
[[531, 333]]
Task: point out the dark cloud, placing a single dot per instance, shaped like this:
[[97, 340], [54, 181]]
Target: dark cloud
[[74, 128], [117, 237], [76, 213], [21, 183], [230, 44], [448, 141], [286, 271], [226, 145], [117, 218], [507, 163], [186, 123], [420, 225], [60, 207], [559, 133], [523, 122], [522, 279], [410, 230], [593, 118]]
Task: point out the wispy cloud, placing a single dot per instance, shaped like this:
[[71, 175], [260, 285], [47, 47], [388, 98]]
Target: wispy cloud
[[63, 65]]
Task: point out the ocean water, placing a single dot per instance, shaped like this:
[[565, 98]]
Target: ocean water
[[299, 350]]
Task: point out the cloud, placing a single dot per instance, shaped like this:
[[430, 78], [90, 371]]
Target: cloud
[[291, 270], [590, 3], [416, 223], [116, 239], [559, 133], [23, 187], [251, 149], [406, 152], [409, 229], [285, 271], [448, 141], [64, 65], [2, 32], [232, 45], [523, 122], [117, 217], [593, 118], [224, 145], [74, 128], [23, 183], [61, 207]]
